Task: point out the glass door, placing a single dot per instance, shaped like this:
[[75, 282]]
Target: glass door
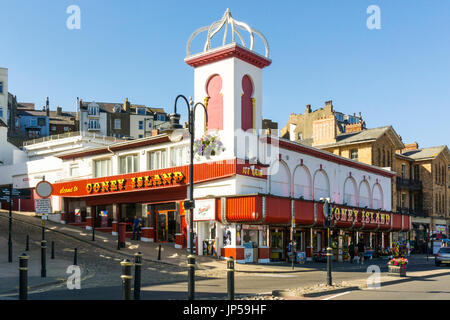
[[161, 223], [276, 245]]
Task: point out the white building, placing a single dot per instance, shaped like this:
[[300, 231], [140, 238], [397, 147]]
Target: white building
[[4, 95]]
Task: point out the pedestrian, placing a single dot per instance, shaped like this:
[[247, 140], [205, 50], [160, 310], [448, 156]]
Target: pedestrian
[[361, 250], [136, 223], [351, 251]]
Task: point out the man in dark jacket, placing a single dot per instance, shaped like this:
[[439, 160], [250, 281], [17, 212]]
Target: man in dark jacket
[[361, 250], [351, 252]]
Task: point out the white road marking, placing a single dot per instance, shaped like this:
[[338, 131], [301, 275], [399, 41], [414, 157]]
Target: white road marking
[[274, 275], [337, 295]]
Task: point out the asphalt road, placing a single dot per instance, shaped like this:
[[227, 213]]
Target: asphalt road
[[426, 288]]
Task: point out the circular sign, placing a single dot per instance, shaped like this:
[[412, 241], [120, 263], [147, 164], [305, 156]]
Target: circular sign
[[44, 189]]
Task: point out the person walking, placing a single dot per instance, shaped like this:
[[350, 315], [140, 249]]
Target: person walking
[[136, 227], [361, 250], [351, 251]]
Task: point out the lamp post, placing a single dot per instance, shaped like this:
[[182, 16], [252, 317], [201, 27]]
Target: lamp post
[[327, 215], [189, 205]]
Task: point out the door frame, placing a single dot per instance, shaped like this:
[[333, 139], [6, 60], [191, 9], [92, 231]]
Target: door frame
[[166, 213]]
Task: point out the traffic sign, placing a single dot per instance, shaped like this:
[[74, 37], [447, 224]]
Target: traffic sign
[[5, 199], [44, 189], [42, 206]]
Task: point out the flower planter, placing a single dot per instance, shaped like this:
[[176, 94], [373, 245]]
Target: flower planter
[[396, 271]]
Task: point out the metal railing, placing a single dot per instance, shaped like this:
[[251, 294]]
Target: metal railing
[[71, 134], [409, 183]]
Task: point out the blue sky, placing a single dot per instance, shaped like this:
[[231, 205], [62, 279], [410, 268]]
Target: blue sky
[[321, 50]]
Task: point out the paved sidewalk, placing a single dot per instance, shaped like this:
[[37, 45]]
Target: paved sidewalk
[[9, 271]]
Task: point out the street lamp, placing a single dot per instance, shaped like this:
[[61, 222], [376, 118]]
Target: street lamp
[[189, 205], [327, 214]]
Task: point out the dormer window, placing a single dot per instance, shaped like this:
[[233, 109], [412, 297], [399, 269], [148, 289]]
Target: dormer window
[[117, 108], [141, 111]]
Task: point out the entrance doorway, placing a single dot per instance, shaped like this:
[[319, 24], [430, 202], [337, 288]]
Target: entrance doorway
[[276, 245], [165, 226]]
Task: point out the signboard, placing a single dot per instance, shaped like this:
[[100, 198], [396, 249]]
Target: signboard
[[248, 255], [205, 210], [356, 215], [42, 206], [44, 189], [5, 199], [16, 193]]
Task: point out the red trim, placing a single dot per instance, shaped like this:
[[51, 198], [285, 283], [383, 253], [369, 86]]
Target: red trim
[[332, 158], [234, 50]]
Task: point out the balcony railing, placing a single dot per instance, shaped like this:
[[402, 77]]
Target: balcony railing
[[71, 134], [413, 211], [409, 183]]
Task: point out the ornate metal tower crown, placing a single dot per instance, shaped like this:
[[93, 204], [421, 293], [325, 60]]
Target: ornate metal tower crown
[[226, 20]]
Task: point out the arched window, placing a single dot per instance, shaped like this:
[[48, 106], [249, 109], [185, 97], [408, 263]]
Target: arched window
[[321, 185], [377, 198], [364, 194], [350, 193], [247, 112], [302, 183], [215, 103], [280, 180]]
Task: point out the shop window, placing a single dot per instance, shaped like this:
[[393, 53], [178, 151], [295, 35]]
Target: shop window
[[102, 168], [128, 164], [157, 160], [250, 238]]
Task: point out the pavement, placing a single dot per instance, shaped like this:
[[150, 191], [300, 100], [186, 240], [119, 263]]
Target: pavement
[[9, 271]]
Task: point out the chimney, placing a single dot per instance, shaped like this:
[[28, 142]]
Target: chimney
[[59, 111], [329, 105], [308, 108], [410, 146], [126, 105], [356, 127], [47, 108]]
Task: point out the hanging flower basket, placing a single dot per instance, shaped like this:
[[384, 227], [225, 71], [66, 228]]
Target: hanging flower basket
[[208, 145]]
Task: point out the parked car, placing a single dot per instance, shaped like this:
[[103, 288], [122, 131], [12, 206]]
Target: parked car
[[443, 256]]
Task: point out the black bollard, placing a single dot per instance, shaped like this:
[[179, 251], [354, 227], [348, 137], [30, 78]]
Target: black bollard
[[159, 252], [126, 279], [27, 245], [75, 258], [53, 250], [43, 257], [191, 277], [23, 277], [230, 278], [137, 275]]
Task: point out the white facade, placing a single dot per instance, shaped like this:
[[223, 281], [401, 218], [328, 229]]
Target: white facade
[[4, 95]]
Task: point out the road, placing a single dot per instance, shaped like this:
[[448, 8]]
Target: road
[[426, 288]]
